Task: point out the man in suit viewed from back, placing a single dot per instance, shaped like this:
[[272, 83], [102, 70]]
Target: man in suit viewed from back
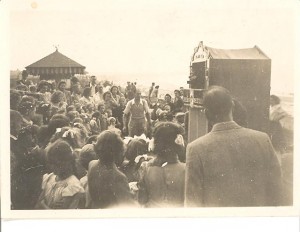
[[231, 165]]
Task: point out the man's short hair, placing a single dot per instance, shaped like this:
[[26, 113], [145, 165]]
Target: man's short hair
[[217, 101], [276, 99]]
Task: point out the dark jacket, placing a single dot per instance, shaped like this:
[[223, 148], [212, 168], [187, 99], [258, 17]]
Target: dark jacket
[[232, 166]]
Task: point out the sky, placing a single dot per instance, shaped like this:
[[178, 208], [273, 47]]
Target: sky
[[152, 40]]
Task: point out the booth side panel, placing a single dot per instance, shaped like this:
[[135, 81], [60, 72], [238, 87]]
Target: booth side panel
[[249, 83], [197, 124]]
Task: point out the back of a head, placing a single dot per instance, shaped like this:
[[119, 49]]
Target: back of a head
[[96, 114], [70, 108], [24, 74], [86, 92], [59, 151], [73, 135], [72, 115], [165, 135], [43, 136], [275, 99], [57, 96], [87, 154], [27, 138], [61, 158], [136, 147], [217, 101], [57, 121], [74, 80], [109, 147]]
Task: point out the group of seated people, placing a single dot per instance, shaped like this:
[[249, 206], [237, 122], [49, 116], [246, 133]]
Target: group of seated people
[[68, 150]]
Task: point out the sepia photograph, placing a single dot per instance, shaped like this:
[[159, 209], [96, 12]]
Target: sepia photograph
[[149, 109]]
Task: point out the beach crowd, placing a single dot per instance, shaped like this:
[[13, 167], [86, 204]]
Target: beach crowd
[[86, 148]]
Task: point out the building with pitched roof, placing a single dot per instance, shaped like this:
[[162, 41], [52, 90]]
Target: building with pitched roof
[[55, 66]]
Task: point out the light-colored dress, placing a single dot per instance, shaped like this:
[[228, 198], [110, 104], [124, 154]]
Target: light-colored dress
[[55, 192]]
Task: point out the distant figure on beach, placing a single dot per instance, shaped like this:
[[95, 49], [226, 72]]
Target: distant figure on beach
[[93, 85], [150, 90], [154, 96], [129, 94], [276, 130]]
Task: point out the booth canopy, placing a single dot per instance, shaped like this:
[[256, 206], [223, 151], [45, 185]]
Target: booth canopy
[[247, 53]]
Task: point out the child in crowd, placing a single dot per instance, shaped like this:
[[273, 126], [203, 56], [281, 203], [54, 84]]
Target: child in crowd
[[107, 186], [58, 104], [136, 153], [90, 109], [112, 126], [60, 189], [87, 154], [72, 115], [103, 117], [95, 126]]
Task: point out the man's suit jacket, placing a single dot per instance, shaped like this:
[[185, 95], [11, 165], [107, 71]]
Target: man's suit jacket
[[232, 166]]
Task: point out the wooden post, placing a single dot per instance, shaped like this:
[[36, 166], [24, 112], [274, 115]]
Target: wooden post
[[197, 123]]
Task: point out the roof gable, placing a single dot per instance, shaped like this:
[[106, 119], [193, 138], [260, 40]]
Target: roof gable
[[55, 59]]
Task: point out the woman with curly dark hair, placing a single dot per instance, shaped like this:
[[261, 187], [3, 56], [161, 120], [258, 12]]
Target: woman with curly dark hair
[[107, 186], [163, 182]]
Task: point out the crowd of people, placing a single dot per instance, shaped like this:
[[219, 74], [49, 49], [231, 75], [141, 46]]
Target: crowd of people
[[84, 148]]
